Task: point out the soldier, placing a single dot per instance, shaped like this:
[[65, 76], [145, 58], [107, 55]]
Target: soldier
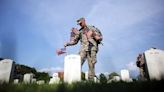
[[89, 46], [141, 64]]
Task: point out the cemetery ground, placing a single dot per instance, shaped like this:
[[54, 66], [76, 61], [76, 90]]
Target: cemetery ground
[[136, 86]]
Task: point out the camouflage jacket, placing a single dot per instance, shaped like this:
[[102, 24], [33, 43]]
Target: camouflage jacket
[[86, 44], [140, 61]]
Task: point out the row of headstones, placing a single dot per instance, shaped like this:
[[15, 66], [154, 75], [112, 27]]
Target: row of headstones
[[72, 72], [72, 67], [29, 78], [154, 62], [33, 80], [7, 72]]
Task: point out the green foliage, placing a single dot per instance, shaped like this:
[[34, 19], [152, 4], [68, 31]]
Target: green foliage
[[82, 76], [103, 78], [42, 76], [146, 86], [111, 75], [20, 70]]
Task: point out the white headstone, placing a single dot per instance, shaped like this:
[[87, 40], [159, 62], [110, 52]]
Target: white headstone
[[155, 63], [96, 80], [6, 70], [125, 75], [28, 77], [86, 75], [40, 82], [72, 68], [16, 81], [54, 80], [33, 80], [116, 78], [55, 75]]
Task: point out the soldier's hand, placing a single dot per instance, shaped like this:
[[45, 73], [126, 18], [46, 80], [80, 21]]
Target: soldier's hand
[[75, 31], [65, 45], [97, 37]]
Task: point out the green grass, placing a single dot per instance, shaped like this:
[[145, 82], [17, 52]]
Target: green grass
[[147, 86]]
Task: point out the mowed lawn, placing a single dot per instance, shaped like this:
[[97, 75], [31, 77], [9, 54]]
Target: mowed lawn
[[147, 86]]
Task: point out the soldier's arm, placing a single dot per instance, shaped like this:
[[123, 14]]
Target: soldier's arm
[[74, 42], [97, 36]]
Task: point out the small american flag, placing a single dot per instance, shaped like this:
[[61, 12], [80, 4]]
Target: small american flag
[[61, 51]]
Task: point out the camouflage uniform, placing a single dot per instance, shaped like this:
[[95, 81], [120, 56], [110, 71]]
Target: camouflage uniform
[[89, 49], [141, 64]]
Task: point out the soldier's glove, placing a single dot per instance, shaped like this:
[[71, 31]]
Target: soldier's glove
[[65, 45]]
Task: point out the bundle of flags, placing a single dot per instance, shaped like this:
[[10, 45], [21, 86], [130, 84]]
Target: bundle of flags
[[61, 51], [72, 36]]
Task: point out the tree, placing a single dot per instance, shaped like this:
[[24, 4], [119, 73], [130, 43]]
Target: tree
[[82, 76], [111, 75], [20, 70], [42, 76], [103, 78]]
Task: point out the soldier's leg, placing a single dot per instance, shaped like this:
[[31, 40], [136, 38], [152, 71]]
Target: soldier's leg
[[91, 56], [83, 55], [142, 73]]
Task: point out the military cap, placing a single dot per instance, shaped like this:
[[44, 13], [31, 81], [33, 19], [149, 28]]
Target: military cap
[[79, 20]]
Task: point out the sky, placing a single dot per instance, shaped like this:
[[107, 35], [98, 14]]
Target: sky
[[32, 30]]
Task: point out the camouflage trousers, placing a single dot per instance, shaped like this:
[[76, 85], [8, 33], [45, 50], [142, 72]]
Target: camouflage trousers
[[91, 58], [142, 73]]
